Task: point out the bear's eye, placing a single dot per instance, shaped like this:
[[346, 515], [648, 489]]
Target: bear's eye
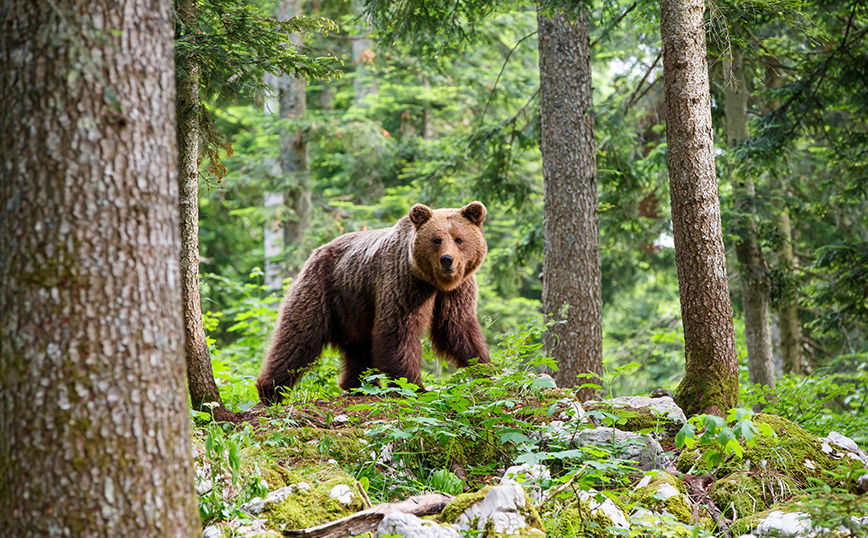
[[438, 241], [458, 240]]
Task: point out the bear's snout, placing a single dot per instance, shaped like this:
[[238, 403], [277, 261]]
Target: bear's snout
[[446, 262]]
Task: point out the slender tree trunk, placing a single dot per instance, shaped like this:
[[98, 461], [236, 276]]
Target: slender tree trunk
[[427, 125], [94, 427], [200, 375], [788, 314], [710, 383], [364, 83], [788, 311], [293, 151], [572, 252], [751, 261]]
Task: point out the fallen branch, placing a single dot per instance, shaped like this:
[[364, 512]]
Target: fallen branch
[[368, 520]]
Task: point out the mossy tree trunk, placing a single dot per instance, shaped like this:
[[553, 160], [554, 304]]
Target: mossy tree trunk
[[710, 383], [200, 375], [755, 284], [571, 267], [94, 426]]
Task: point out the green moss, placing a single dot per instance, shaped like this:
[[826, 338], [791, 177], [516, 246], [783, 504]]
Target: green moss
[[305, 509], [749, 493], [785, 454], [677, 505], [706, 390], [314, 444], [468, 452], [634, 418], [459, 504], [686, 460], [577, 521]]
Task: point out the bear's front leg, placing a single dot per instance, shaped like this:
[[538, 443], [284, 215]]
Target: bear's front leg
[[455, 330]]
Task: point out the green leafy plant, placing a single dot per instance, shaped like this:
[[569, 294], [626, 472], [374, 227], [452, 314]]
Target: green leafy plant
[[221, 485], [721, 437]]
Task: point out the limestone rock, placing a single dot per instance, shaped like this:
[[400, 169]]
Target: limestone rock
[[606, 507], [410, 526], [342, 493], [530, 477], [505, 507], [642, 448], [257, 505]]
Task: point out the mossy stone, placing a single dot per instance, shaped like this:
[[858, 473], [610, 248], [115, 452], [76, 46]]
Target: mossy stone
[[676, 505], [749, 493]]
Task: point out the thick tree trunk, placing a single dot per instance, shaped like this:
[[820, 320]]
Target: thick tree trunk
[[571, 269], [710, 383], [200, 375], [751, 262], [788, 311], [94, 427], [293, 151]]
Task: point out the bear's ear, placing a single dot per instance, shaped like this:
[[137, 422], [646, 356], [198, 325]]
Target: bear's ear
[[420, 214], [474, 212]]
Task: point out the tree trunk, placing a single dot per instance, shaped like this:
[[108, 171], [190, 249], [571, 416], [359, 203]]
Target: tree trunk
[[293, 152], [364, 83], [788, 311], [751, 262], [571, 268], [94, 427], [788, 314], [200, 375], [710, 383]]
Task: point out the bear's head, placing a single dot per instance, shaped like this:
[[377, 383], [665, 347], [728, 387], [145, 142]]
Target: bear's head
[[449, 245]]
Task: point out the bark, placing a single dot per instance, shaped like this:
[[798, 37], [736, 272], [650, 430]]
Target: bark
[[755, 285], [200, 375], [94, 427], [788, 312], [571, 267], [710, 383], [293, 149]]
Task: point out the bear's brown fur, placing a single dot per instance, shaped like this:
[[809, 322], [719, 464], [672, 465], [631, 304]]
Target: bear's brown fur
[[373, 294]]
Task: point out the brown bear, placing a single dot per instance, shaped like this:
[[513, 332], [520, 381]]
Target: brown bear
[[373, 294]]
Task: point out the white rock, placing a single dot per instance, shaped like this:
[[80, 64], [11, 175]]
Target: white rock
[[847, 444], [529, 476], [644, 482], [810, 464], [211, 532], [332, 462], [501, 506], [642, 448], [666, 491], [257, 505], [303, 486], [410, 526], [340, 420], [254, 529], [385, 456], [606, 507], [784, 524], [204, 486], [664, 407], [342, 493], [573, 412]]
